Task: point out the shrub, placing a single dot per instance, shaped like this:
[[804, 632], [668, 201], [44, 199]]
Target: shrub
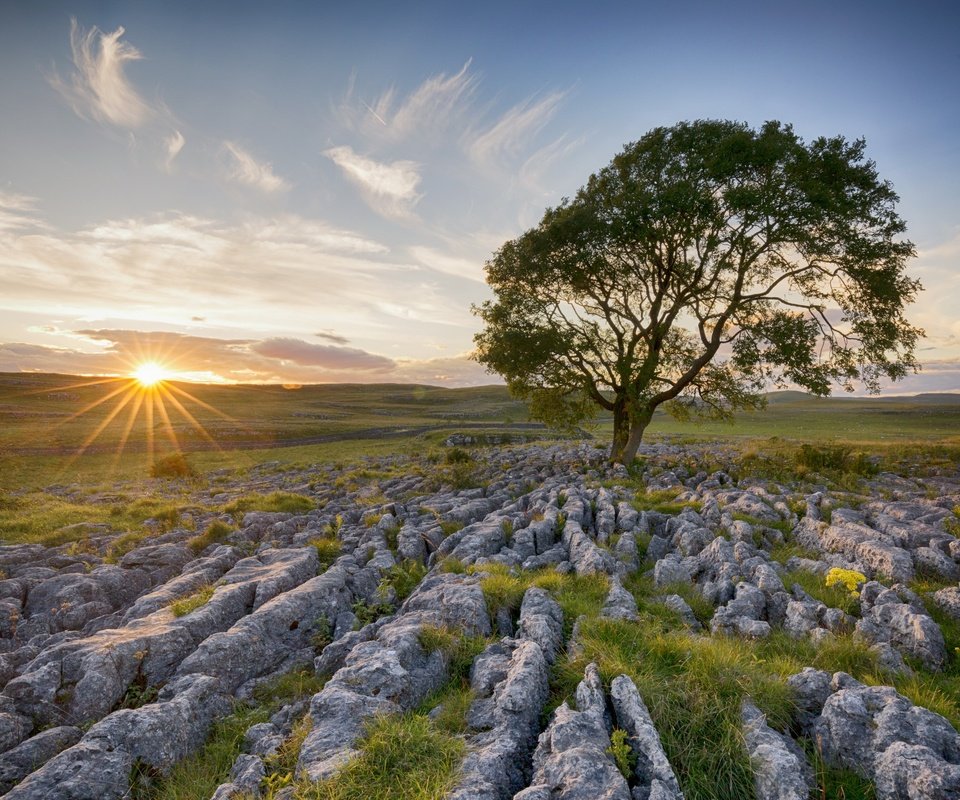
[[622, 753], [850, 579], [174, 465]]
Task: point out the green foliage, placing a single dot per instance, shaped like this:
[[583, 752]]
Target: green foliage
[[450, 526], [280, 766], [663, 501], [457, 455], [198, 776], [587, 302], [275, 501], [404, 578], [199, 598], [622, 753], [216, 531], [401, 757], [323, 633], [368, 612], [174, 465], [328, 550], [835, 595]]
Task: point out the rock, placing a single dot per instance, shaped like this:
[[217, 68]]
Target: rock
[[671, 569], [654, 775], [541, 620], [913, 633], [780, 769], [680, 606], [861, 727], [498, 761], [620, 604], [23, 759]]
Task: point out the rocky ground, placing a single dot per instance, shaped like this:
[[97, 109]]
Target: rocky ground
[[525, 617]]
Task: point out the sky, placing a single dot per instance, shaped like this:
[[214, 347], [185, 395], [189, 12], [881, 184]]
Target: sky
[[307, 192]]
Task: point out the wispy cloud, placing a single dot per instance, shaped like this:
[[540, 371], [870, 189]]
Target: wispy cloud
[[99, 88], [17, 212], [428, 110], [167, 269], [327, 356], [173, 144], [330, 336], [390, 189], [449, 264], [276, 360], [514, 131], [244, 168]]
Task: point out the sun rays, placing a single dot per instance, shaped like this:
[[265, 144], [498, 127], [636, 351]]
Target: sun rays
[[141, 412]]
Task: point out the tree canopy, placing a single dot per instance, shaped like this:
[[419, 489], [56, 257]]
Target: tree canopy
[[705, 264]]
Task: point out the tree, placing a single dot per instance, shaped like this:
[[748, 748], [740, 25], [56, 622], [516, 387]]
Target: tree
[[706, 263]]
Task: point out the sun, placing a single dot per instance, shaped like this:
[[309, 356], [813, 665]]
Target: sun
[[149, 374]]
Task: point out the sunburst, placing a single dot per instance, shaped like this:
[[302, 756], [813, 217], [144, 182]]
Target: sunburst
[[147, 398]]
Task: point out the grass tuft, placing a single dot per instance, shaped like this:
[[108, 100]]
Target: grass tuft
[[401, 757], [217, 531], [199, 598]]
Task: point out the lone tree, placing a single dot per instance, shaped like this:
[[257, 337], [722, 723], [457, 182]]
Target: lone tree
[[705, 263]]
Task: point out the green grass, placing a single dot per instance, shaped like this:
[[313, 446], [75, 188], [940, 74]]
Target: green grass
[[199, 598], [404, 578], [216, 532], [836, 596], [663, 501], [275, 501], [455, 697], [402, 757], [328, 550], [197, 777]]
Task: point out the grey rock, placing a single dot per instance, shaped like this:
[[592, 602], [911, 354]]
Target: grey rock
[[913, 633], [541, 620], [653, 771], [620, 604], [23, 759], [780, 769]]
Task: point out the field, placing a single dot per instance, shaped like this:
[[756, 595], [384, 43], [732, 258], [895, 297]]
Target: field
[[43, 424]]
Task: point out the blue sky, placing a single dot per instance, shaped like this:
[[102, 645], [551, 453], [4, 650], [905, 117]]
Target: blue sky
[[293, 192]]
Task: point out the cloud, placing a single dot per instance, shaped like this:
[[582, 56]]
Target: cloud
[[274, 275], [173, 144], [514, 130], [17, 212], [390, 189], [271, 360], [332, 337], [98, 88], [244, 168], [438, 103], [321, 355], [448, 264]]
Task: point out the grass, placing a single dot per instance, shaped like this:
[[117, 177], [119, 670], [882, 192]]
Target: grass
[[216, 532], [328, 550], [198, 599], [663, 501], [836, 595], [197, 777], [404, 578], [576, 595], [275, 501], [402, 757], [455, 697]]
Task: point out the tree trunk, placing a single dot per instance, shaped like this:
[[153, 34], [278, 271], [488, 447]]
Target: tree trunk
[[631, 442], [621, 430]]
